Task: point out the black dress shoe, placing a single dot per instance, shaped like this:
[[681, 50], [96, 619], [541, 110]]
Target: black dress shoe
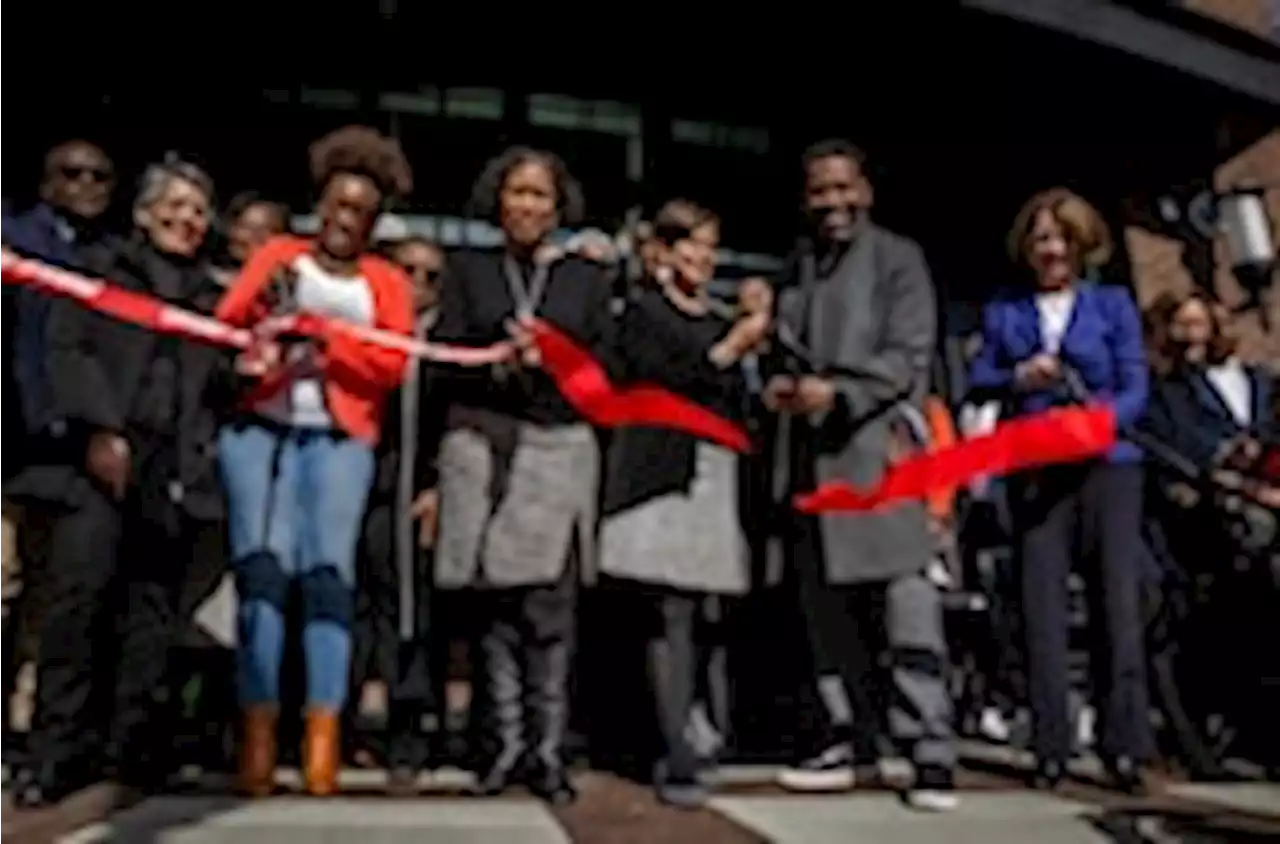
[[1125, 775], [1048, 774], [551, 783]]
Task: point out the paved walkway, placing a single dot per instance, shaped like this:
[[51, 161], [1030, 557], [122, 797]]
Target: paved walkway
[[985, 817], [298, 820]]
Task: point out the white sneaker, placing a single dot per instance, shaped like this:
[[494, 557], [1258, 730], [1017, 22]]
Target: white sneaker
[[1086, 723], [932, 800], [992, 725], [830, 770]]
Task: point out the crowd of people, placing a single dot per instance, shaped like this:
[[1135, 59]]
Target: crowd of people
[[382, 488]]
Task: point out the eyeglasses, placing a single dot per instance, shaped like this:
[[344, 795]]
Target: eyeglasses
[[73, 173]]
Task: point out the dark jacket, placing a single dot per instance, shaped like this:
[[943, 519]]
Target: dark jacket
[[41, 234], [103, 376], [1187, 413], [475, 304], [659, 344]]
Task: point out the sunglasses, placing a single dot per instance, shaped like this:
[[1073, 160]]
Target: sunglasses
[[432, 275], [73, 173]]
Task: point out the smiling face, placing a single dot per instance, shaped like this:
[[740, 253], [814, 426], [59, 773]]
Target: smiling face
[[177, 221], [836, 192], [78, 180], [693, 258], [348, 209], [1050, 251], [528, 203]]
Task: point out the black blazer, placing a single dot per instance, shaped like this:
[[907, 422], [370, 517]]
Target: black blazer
[[98, 370], [1186, 412], [659, 344], [475, 304]]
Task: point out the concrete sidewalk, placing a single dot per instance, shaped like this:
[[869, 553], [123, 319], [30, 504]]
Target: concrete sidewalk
[[867, 818], [299, 820]]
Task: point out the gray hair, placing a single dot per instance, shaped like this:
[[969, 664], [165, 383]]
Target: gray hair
[[157, 178]]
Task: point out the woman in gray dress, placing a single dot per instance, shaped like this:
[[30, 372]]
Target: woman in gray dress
[[518, 469], [671, 529]]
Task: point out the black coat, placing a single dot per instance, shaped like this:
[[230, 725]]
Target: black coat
[[658, 344], [99, 370]]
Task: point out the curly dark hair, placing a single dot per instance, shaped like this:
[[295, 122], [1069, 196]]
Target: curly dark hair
[[484, 195], [366, 152]]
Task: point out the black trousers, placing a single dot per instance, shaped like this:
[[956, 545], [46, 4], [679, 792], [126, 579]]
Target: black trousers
[[1092, 513], [74, 663], [112, 590], [672, 658], [410, 666], [846, 637]]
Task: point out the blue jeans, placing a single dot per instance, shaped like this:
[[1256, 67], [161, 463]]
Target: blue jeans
[[296, 500]]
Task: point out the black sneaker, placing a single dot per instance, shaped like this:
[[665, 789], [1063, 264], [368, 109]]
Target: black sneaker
[[830, 770]]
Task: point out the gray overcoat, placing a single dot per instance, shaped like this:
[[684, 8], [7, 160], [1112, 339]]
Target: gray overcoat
[[875, 318]]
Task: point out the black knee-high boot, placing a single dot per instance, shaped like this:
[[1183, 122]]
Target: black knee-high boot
[[504, 708], [547, 703]]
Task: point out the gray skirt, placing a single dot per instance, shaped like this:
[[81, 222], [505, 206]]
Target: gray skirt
[[513, 497], [691, 541]]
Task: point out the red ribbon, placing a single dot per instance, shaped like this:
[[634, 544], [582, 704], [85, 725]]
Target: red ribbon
[[585, 385], [1060, 435], [580, 378]]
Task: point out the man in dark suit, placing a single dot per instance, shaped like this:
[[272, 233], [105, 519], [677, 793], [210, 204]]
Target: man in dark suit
[[75, 192]]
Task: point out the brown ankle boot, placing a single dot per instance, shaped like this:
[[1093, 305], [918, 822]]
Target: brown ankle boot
[[258, 751], [321, 752]]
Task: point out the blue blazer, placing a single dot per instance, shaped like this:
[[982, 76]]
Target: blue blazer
[[1103, 343]]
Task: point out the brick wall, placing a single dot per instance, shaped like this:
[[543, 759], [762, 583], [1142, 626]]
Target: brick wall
[[1156, 260], [1256, 16]]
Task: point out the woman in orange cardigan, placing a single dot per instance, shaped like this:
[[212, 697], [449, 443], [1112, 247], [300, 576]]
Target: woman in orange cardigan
[[298, 461]]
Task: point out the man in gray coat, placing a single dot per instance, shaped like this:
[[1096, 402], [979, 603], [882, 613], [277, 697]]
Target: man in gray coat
[[856, 327]]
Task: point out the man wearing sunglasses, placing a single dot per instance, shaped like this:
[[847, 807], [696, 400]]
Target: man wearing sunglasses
[[75, 191], [74, 194]]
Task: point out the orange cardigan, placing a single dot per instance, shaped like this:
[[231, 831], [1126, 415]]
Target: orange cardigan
[[357, 374]]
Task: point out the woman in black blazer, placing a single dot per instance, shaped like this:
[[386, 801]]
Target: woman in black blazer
[[518, 468], [671, 533]]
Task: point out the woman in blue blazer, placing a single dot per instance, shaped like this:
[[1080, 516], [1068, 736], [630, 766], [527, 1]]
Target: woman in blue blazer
[[1043, 345]]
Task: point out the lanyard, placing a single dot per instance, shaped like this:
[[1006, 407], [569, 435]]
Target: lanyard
[[528, 296]]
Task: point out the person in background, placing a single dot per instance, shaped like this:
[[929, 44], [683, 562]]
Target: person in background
[[1213, 411], [251, 220], [143, 410], [518, 468], [76, 188], [299, 460], [1037, 340], [670, 529], [1206, 403], [861, 317], [393, 658]]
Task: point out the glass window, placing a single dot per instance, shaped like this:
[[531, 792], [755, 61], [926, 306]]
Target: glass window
[[474, 103], [605, 116], [751, 139]]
